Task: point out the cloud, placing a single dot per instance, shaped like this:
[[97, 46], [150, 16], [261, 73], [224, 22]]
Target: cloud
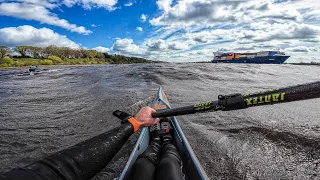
[[208, 36], [101, 49], [93, 25], [164, 5], [255, 34], [177, 46], [303, 49], [139, 29], [126, 46], [284, 31], [162, 45], [195, 11], [107, 4], [90, 4], [45, 3], [192, 12], [39, 13], [143, 17], [28, 35], [157, 45], [224, 49], [128, 4], [70, 3]]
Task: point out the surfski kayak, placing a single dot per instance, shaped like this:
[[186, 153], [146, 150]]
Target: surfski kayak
[[192, 168]]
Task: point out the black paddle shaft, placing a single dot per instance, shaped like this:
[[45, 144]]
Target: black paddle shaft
[[238, 101]]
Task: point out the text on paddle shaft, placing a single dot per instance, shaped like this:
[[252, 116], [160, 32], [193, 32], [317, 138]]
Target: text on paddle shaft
[[202, 106], [265, 99]]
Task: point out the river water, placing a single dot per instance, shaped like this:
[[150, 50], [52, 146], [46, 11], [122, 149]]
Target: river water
[[63, 105]]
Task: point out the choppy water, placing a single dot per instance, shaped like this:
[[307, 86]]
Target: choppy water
[[62, 106]]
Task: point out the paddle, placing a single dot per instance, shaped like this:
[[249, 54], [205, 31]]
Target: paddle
[[238, 101]]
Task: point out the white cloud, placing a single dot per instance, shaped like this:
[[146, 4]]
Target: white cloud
[[101, 49], [70, 3], [157, 45], [45, 3], [143, 17], [28, 35], [164, 5], [205, 12], [127, 47], [302, 49], [213, 35], [107, 4], [195, 11], [93, 25], [87, 4], [139, 29], [262, 33], [90, 4], [128, 4], [162, 45], [285, 31], [177, 46], [39, 13]]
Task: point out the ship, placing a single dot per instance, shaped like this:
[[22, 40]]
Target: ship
[[263, 57]]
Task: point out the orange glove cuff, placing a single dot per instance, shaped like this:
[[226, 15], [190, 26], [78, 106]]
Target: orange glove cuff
[[136, 125]]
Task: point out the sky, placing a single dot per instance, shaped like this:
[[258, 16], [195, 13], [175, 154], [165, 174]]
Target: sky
[[166, 30]]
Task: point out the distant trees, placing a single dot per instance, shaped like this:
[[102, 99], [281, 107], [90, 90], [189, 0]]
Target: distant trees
[[4, 51], [60, 55], [61, 52], [21, 50]]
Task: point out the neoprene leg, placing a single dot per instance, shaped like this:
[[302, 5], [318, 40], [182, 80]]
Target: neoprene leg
[[143, 169], [145, 166], [170, 164]]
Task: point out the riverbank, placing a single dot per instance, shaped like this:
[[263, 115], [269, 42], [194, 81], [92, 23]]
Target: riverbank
[[54, 60], [53, 55]]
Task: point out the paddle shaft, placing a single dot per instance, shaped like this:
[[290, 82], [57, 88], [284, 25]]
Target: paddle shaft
[[238, 101]]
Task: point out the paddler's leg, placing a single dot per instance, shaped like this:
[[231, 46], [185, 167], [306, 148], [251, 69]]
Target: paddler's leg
[[170, 166], [145, 166]]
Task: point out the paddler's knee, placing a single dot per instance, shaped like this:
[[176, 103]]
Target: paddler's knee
[[169, 150], [152, 153], [145, 166], [171, 154], [143, 169], [170, 167]]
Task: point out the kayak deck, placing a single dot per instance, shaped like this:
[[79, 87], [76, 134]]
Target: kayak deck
[[192, 169]]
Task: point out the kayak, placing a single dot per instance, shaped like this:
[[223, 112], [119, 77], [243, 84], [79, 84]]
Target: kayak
[[192, 168], [32, 69], [29, 73]]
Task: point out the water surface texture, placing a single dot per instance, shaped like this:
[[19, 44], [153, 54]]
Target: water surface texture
[[62, 106]]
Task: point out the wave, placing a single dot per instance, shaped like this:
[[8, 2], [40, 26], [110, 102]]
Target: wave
[[288, 139]]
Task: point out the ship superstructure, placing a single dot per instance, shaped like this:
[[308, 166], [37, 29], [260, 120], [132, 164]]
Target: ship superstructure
[[263, 57]]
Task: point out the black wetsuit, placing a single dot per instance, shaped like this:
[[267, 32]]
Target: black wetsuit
[[80, 162], [88, 158]]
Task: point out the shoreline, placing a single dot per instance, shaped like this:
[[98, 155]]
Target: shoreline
[[27, 62]]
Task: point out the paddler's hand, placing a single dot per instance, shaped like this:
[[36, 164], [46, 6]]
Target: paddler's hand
[[144, 116]]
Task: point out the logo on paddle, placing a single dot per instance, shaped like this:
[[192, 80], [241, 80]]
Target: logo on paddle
[[265, 99]]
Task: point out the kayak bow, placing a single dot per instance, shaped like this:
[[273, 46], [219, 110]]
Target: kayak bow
[[191, 165]]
